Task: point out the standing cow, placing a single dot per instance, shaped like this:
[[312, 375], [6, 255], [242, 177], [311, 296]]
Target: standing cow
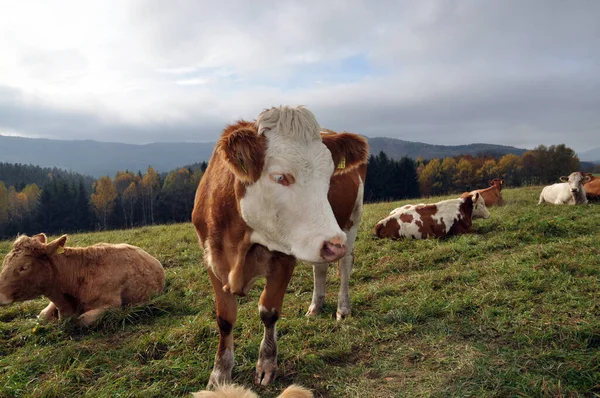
[[570, 192], [491, 195], [262, 203]]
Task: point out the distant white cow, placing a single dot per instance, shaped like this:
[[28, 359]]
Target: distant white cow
[[569, 192]]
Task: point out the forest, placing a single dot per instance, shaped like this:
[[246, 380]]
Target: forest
[[34, 199]]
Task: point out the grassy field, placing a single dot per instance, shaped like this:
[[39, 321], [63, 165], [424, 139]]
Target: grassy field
[[513, 310]]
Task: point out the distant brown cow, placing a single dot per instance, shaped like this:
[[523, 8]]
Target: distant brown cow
[[592, 188], [79, 281], [491, 195]]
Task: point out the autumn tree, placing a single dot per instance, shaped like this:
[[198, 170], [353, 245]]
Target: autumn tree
[[103, 199], [429, 179], [3, 207], [465, 175], [130, 197], [150, 191]]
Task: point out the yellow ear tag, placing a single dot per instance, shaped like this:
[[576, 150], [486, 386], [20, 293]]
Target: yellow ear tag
[[342, 164], [60, 250]]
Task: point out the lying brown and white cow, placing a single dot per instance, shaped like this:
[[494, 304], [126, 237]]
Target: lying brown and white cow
[[437, 220], [492, 195], [592, 188], [570, 192], [262, 203], [79, 281]]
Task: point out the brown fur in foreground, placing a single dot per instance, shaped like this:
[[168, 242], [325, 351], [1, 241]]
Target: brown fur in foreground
[[79, 281], [235, 391]]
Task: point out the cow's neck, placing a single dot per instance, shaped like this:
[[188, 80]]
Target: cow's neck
[[67, 273]]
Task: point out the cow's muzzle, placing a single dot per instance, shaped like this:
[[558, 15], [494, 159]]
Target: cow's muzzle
[[333, 250]]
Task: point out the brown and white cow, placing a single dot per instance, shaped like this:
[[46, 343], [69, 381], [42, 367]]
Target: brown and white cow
[[79, 281], [571, 191], [437, 220], [592, 187], [492, 195], [263, 203]]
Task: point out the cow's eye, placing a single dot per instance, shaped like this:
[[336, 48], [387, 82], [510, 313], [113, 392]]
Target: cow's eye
[[24, 268], [282, 179]]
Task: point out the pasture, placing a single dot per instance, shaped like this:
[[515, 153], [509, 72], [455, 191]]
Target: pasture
[[512, 310]]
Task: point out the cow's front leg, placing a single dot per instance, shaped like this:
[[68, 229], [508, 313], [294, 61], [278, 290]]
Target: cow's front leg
[[49, 313], [271, 301], [226, 317], [318, 297], [346, 263]]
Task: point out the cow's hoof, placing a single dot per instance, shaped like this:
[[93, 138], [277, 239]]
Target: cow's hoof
[[313, 311], [218, 378], [342, 314], [265, 373]]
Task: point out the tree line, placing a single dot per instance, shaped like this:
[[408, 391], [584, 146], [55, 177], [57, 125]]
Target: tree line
[[60, 201], [68, 203]]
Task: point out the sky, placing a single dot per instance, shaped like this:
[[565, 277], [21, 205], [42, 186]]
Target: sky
[[451, 72]]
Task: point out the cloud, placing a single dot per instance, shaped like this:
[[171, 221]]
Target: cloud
[[510, 72]]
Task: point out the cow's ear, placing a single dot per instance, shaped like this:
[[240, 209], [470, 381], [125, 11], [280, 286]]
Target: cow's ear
[[347, 150], [244, 150], [491, 182], [587, 178], [475, 197], [57, 246], [501, 182], [40, 238], [564, 179]]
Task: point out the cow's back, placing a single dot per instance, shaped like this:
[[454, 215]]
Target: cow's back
[[139, 274]]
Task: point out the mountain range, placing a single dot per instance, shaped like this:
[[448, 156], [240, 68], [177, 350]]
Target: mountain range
[[97, 158]]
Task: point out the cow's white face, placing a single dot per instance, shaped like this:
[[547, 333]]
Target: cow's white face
[[287, 207], [480, 210], [575, 181]]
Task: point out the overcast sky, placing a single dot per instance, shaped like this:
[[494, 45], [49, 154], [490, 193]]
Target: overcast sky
[[448, 72]]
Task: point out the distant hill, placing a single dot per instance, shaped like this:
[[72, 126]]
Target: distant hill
[[106, 158], [101, 158], [399, 148], [591, 155], [19, 175]]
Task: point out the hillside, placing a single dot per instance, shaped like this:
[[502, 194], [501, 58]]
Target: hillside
[[511, 310], [101, 158], [591, 155], [106, 158], [398, 148]]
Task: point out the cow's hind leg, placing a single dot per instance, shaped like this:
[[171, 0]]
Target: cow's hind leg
[[271, 301], [318, 298], [226, 317]]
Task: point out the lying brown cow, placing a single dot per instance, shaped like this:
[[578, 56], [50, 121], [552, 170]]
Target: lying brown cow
[[592, 188], [491, 195], [437, 220], [79, 281], [236, 391], [266, 200]]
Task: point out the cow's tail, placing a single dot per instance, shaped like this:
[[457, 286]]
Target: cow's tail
[[541, 198]]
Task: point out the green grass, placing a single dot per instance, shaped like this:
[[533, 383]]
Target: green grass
[[510, 311]]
